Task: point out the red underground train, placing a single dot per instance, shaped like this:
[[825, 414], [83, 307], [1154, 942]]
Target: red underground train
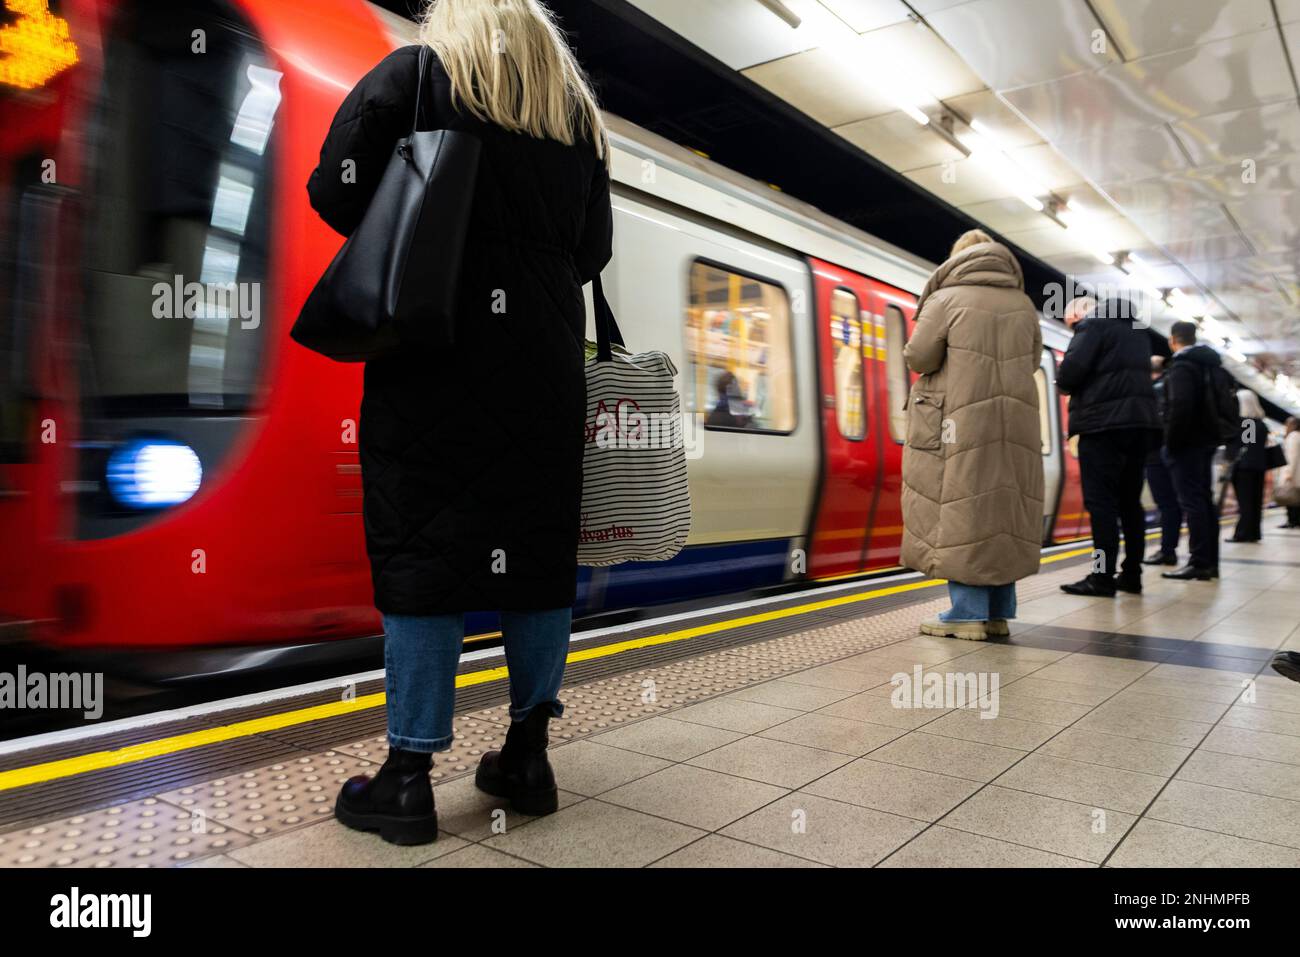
[[177, 475]]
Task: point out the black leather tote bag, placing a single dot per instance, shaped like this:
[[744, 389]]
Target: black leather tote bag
[[394, 280]]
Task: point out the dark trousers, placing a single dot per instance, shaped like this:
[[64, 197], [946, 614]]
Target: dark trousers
[[1111, 464], [1190, 469], [1248, 486], [1293, 514], [1171, 513]]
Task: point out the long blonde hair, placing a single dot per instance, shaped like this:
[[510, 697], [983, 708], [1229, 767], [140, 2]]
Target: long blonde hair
[[509, 64]]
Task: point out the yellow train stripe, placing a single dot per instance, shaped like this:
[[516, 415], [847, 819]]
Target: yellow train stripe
[[102, 760]]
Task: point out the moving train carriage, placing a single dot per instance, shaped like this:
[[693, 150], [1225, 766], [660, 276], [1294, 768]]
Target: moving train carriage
[[176, 474]]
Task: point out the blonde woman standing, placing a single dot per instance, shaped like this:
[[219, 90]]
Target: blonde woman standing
[[973, 464], [471, 457]]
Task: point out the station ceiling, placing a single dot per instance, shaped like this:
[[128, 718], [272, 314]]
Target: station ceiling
[[1151, 143]]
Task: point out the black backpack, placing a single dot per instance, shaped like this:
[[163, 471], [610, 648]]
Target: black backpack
[[1219, 399]]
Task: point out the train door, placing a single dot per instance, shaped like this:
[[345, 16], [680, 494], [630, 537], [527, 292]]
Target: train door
[[851, 460], [1072, 521], [893, 315], [1049, 418]]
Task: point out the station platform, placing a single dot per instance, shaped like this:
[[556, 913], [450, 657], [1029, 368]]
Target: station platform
[[1140, 731]]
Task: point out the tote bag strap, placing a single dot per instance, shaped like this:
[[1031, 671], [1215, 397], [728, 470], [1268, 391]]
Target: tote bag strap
[[607, 331], [419, 84]]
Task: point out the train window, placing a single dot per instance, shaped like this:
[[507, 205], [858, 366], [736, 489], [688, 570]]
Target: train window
[[846, 349], [739, 348], [17, 405], [896, 372], [176, 264], [1044, 412]]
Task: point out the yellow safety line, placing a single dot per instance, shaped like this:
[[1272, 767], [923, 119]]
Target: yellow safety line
[[100, 760]]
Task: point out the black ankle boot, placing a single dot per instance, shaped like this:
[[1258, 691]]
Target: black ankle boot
[[520, 771], [397, 802]]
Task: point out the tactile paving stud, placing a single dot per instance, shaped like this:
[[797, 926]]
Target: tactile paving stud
[[273, 799], [147, 833], [472, 737]]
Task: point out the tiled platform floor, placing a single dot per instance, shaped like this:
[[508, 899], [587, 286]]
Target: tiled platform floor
[[1140, 731]]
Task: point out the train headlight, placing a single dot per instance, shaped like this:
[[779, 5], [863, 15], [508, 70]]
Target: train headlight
[[153, 473]]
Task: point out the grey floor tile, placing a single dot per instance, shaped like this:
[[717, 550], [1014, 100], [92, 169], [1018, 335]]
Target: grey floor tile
[[840, 679], [330, 844], [215, 861], [1246, 774], [666, 738], [1161, 844], [945, 847], [1111, 719], [1025, 707], [1070, 691], [1254, 744], [1261, 719], [695, 796], [724, 852], [1186, 709], [732, 714], [1239, 813], [785, 694], [595, 834], [477, 856], [588, 768], [1113, 751], [1004, 732], [875, 709], [467, 812], [1049, 824], [830, 832], [1174, 688], [772, 762], [923, 795], [829, 733], [1272, 698], [943, 755], [1091, 784]]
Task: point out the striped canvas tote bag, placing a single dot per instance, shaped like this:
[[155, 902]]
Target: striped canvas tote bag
[[636, 503]]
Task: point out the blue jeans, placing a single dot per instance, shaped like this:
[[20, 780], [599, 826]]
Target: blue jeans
[[980, 602], [422, 652]]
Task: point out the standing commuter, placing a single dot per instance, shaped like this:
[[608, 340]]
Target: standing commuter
[[1162, 484], [1249, 457], [1291, 474], [973, 463], [1191, 437], [471, 456], [1107, 374]]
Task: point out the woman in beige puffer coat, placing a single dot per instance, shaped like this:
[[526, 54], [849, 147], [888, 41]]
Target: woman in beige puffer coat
[[973, 465]]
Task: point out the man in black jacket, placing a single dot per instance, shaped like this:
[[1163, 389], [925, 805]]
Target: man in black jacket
[[1191, 436], [1107, 374]]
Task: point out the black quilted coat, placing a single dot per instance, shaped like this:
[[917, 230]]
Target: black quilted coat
[[1107, 373], [471, 458]]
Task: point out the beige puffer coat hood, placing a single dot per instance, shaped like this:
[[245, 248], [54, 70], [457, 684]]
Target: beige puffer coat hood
[[973, 465]]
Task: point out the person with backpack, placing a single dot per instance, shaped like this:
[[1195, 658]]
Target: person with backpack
[[1248, 452], [1201, 413], [1106, 373]]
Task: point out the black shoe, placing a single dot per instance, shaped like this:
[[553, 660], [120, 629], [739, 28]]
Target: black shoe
[[1095, 586], [1160, 558], [1129, 583], [1244, 541], [1287, 664], [1190, 573], [520, 770], [397, 802]]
